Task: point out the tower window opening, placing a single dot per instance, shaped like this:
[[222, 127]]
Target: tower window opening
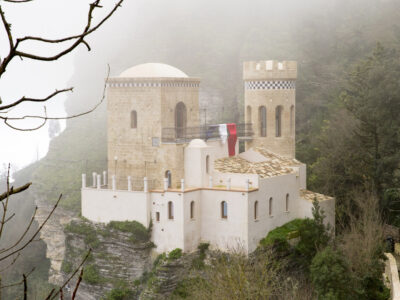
[[192, 210], [208, 164], [224, 210], [292, 121], [256, 210], [180, 119], [168, 175], [158, 216], [170, 210], [263, 121], [287, 202], [270, 206], [248, 114], [278, 121], [133, 119]]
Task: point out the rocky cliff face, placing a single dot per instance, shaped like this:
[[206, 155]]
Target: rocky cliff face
[[53, 235], [121, 253]]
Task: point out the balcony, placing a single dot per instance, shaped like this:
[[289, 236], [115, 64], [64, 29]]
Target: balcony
[[176, 135]]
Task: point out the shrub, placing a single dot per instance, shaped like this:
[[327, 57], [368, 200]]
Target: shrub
[[161, 257], [121, 292], [139, 233], [66, 266], [91, 275], [279, 236], [330, 275], [85, 229], [175, 254], [203, 247]]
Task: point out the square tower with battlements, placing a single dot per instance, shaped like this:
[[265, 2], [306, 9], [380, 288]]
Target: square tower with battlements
[[270, 104]]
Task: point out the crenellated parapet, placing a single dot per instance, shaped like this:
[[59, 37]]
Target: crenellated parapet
[[270, 70]]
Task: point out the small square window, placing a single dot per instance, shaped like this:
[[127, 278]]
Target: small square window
[[155, 141]]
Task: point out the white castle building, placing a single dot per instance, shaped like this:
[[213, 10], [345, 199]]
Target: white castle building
[[189, 178]]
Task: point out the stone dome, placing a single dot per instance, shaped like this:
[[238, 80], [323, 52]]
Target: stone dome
[[153, 70], [197, 143]]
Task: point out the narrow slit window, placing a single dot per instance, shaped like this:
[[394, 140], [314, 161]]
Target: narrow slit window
[[133, 119], [224, 210], [157, 216], [263, 121], [287, 202], [192, 210], [168, 175], [270, 206], [278, 121], [256, 210], [170, 210], [292, 120]]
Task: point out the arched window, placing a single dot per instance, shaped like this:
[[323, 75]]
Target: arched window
[[262, 118], [256, 210], [287, 202], [292, 121], [133, 119], [180, 119], [170, 210], [208, 164], [248, 114], [192, 210], [278, 121], [224, 210], [270, 207], [169, 177]]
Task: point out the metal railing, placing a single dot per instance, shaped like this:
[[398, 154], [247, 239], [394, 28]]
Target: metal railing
[[206, 132]]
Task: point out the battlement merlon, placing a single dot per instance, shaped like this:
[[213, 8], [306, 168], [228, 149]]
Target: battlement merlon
[[269, 70]]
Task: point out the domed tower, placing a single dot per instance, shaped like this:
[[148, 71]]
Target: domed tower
[[149, 108], [270, 104]]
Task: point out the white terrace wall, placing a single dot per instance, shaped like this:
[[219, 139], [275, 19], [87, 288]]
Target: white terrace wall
[[277, 188], [100, 205]]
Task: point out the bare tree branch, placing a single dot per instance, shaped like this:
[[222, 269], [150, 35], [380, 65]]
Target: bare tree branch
[[73, 274], [23, 235], [6, 119], [26, 99], [77, 285], [34, 235], [13, 191], [25, 287]]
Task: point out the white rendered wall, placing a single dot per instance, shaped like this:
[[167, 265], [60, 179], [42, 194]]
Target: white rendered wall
[[277, 188], [328, 206], [224, 234], [100, 205], [192, 227], [237, 180], [167, 234], [195, 162], [301, 171], [194, 168]]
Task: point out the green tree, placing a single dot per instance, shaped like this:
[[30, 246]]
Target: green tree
[[372, 96], [330, 275], [314, 235]]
